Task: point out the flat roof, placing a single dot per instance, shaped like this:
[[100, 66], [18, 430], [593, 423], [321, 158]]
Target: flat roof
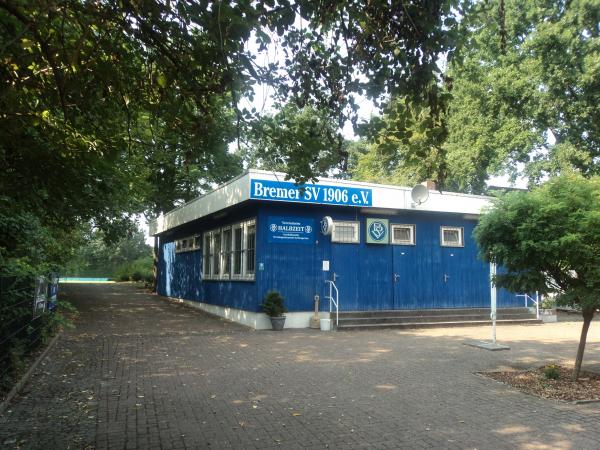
[[263, 185]]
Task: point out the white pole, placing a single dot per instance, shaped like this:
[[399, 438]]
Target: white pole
[[493, 300]]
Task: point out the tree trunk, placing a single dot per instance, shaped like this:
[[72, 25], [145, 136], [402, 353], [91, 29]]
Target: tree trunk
[[155, 264], [588, 315]]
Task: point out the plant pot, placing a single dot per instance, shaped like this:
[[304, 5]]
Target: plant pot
[[277, 323]]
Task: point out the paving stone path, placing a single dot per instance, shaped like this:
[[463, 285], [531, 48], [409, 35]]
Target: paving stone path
[[140, 372]]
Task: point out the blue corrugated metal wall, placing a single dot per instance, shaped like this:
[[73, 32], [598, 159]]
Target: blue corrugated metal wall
[[180, 274], [429, 276]]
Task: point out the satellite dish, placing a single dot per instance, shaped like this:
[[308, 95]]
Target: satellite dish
[[419, 194]]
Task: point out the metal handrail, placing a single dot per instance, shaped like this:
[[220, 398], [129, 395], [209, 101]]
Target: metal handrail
[[535, 301], [333, 301]]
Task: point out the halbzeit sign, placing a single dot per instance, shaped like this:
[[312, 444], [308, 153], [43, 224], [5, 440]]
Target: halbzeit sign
[[286, 191]]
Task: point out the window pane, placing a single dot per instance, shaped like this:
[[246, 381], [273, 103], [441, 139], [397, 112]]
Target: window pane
[[250, 246], [346, 233], [237, 251], [197, 241], [451, 236], [227, 251], [402, 234], [216, 253], [206, 254]]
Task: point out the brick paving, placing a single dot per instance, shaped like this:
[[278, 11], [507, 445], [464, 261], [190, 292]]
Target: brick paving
[[140, 372]]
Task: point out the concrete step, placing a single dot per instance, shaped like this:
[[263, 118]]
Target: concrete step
[[431, 312], [405, 325], [429, 319]]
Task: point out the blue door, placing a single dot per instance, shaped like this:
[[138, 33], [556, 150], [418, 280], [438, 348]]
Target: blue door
[[363, 278], [450, 279], [411, 278], [343, 257]]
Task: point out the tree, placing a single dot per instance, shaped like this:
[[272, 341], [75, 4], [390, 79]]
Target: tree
[[97, 258], [296, 141], [548, 240], [525, 91], [112, 109], [406, 145]]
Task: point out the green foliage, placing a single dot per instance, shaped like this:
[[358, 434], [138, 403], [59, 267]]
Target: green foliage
[[112, 109], [405, 145], [298, 141], [548, 303], [136, 276], [551, 372], [547, 240], [97, 258], [58, 320], [137, 270], [525, 90], [273, 304], [510, 102]]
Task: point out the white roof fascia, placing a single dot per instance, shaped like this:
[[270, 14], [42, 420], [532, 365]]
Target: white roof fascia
[[398, 197], [383, 197], [224, 196]]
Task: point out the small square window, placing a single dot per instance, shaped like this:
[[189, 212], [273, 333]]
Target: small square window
[[346, 232], [452, 236], [403, 234]]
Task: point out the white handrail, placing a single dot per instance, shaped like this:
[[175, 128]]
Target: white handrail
[[535, 301], [333, 301]]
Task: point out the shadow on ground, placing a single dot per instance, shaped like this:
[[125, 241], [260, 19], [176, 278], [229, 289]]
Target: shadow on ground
[[139, 372]]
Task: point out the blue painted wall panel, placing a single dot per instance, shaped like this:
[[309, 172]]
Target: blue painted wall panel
[[366, 271], [180, 274]]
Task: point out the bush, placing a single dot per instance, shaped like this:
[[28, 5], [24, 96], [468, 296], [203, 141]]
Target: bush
[[123, 277], [273, 304], [137, 276], [551, 372], [548, 302]]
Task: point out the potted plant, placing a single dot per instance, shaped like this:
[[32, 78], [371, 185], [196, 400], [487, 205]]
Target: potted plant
[[274, 307]]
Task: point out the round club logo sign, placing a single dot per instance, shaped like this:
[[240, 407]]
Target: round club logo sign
[[377, 231]]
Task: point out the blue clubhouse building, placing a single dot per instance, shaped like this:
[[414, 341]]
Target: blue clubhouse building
[[223, 251]]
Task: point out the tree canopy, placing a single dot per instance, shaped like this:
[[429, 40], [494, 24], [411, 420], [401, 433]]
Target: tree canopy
[[547, 240], [112, 109], [520, 98]]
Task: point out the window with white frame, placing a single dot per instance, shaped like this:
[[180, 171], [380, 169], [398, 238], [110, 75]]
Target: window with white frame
[[452, 236], [403, 234], [188, 244], [231, 252], [347, 232]]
